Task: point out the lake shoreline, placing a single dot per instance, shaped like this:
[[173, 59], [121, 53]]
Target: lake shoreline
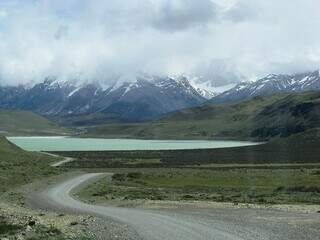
[[62, 143]]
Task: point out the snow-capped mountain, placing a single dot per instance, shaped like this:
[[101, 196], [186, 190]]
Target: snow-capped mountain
[[269, 85], [206, 93], [182, 82], [145, 98]]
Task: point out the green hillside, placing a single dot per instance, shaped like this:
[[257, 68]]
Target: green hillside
[[7, 149], [27, 123], [261, 118], [19, 167]]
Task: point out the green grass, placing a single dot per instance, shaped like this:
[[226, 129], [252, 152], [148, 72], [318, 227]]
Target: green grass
[[18, 167], [8, 229], [27, 123], [233, 185], [246, 174], [259, 118]]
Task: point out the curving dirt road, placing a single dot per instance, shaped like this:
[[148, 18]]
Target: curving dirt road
[[60, 163], [188, 224]]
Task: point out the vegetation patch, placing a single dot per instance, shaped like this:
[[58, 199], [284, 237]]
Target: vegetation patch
[[233, 185], [18, 167], [8, 229]]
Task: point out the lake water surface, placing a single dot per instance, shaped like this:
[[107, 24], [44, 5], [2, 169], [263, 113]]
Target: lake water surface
[[96, 144]]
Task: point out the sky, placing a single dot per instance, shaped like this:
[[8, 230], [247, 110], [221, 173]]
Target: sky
[[100, 39]]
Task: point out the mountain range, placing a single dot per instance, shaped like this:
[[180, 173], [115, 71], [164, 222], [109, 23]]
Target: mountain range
[[271, 84], [260, 118], [147, 98]]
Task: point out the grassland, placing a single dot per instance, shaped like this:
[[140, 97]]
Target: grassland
[[261, 118], [229, 185], [22, 123], [18, 167]]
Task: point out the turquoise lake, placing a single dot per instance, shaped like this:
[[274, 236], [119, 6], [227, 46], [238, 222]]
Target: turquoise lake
[[97, 144]]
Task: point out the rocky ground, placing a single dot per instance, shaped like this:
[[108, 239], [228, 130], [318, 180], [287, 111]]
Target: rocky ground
[[29, 224], [22, 223], [293, 208]]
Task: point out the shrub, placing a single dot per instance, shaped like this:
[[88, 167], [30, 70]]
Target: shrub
[[134, 175], [6, 228], [119, 177]]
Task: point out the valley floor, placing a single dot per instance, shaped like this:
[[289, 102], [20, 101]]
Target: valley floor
[[60, 221], [238, 185], [231, 198], [187, 220]]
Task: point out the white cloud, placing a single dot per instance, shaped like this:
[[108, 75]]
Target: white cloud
[[98, 39]]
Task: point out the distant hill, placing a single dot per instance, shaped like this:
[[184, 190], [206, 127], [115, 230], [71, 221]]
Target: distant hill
[[261, 118], [27, 123]]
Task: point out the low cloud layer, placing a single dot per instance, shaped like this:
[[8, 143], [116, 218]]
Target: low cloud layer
[[97, 40]]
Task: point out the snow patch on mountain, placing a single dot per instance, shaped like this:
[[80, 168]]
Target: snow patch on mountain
[[74, 91]]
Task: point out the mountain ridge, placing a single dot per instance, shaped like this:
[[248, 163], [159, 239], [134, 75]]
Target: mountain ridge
[[261, 118], [271, 84], [146, 98]]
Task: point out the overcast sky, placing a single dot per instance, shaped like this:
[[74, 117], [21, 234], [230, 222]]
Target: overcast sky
[[98, 39]]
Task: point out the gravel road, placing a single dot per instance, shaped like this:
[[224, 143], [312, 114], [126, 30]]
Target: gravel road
[[187, 224], [60, 163]]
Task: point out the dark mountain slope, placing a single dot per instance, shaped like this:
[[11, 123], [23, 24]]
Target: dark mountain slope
[[260, 118]]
